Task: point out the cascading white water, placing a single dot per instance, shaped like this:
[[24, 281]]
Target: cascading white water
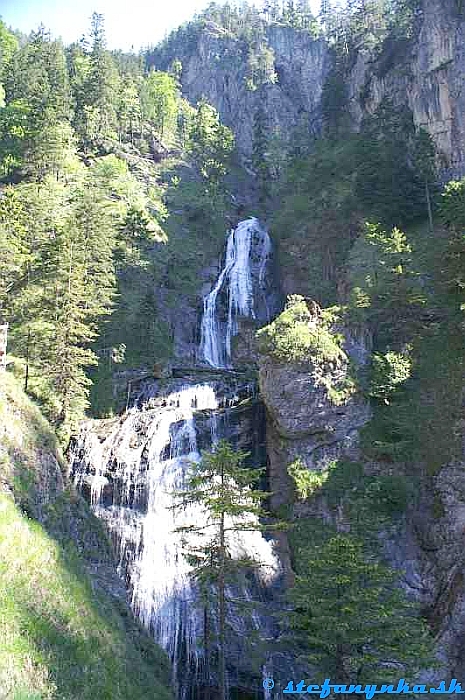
[[131, 467], [216, 336], [151, 450]]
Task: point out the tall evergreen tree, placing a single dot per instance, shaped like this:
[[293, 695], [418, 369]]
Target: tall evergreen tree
[[210, 144], [226, 490], [37, 92], [101, 87], [351, 620]]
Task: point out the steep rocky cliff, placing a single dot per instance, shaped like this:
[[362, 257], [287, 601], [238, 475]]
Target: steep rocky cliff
[[420, 535], [214, 66], [314, 412], [426, 74]]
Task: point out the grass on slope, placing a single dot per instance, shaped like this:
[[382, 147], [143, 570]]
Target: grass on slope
[[62, 637]]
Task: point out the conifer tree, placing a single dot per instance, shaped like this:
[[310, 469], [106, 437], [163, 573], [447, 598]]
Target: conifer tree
[[101, 87], [226, 490], [13, 248], [354, 623], [260, 152], [210, 144], [37, 93]]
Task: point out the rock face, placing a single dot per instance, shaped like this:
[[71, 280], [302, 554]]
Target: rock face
[[426, 74], [429, 79], [214, 67], [425, 544], [441, 537], [302, 420]]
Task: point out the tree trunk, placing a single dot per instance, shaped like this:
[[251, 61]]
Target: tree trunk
[[206, 637], [430, 210], [28, 342], [222, 606]]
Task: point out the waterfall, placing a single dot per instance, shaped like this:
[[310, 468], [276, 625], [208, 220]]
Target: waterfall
[[130, 476], [130, 467], [248, 251]]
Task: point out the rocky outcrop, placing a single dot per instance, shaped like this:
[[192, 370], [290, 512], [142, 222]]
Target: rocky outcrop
[[441, 538], [425, 73], [303, 421], [424, 544]]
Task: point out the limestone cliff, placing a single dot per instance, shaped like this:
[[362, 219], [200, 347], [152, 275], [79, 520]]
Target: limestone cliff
[[214, 66], [425, 73], [423, 540], [305, 420], [427, 76]]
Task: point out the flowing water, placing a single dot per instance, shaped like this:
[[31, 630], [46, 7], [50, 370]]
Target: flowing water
[[243, 279], [130, 467]]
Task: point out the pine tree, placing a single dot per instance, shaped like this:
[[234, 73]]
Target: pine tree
[[83, 289], [37, 95], [424, 162], [13, 248], [260, 152], [351, 619], [8, 46], [210, 144], [129, 111], [101, 87], [225, 488]]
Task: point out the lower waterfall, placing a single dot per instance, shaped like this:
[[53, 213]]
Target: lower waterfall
[[129, 468]]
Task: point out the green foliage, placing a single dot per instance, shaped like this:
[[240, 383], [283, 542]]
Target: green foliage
[[368, 502], [317, 217], [59, 247], [227, 491], [383, 174], [306, 482], [390, 177], [452, 209], [36, 122], [388, 494], [8, 45], [62, 636], [386, 288], [388, 372], [350, 619], [297, 336], [210, 144], [159, 100], [260, 66]]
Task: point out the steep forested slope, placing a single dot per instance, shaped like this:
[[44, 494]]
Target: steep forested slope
[[65, 626]]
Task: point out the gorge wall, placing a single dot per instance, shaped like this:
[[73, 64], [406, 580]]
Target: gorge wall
[[427, 76], [425, 73], [303, 422], [214, 66]]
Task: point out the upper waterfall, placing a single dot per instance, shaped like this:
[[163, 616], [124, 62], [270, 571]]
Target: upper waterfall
[[243, 275]]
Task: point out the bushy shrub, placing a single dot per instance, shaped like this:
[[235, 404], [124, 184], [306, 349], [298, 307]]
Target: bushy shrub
[[388, 373], [297, 336], [306, 481]]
